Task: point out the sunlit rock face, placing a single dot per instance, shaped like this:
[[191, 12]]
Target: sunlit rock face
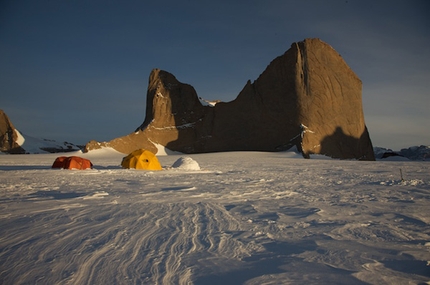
[[8, 135], [308, 97]]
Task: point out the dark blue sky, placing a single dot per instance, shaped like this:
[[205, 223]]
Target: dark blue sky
[[78, 70]]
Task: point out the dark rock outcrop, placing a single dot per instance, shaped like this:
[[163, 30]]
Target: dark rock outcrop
[[14, 142], [308, 98], [8, 136]]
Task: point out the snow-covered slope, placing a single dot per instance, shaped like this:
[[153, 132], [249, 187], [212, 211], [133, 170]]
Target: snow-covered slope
[[421, 152], [243, 218], [33, 145], [14, 141]]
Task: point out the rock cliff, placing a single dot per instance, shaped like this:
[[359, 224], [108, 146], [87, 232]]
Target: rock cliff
[[8, 136], [14, 142], [308, 97]]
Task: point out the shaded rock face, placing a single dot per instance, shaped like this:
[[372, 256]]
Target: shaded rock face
[[308, 98], [14, 142], [8, 136]]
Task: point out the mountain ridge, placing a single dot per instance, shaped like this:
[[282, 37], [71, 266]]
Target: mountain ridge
[[308, 97], [35, 145]]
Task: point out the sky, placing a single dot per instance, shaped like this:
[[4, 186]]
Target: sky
[[78, 70]]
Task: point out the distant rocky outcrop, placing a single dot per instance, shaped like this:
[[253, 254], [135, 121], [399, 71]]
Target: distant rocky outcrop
[[8, 136], [421, 152], [13, 142], [308, 97]]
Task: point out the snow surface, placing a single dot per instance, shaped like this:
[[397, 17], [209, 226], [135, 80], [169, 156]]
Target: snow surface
[[243, 218], [35, 145]]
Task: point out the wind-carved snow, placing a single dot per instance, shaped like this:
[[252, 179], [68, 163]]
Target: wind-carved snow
[[248, 218]]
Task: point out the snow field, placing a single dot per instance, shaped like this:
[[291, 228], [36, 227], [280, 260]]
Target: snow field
[[243, 218]]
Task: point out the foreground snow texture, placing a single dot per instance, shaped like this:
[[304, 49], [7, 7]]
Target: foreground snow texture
[[243, 218]]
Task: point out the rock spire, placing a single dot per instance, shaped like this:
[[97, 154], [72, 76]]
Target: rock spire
[[308, 97]]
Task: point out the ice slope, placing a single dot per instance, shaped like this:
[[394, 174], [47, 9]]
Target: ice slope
[[243, 218]]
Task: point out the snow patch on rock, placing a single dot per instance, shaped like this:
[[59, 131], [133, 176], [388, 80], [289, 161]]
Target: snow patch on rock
[[20, 141], [162, 150]]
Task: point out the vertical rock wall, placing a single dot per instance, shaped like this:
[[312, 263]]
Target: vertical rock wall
[[307, 97], [8, 136]]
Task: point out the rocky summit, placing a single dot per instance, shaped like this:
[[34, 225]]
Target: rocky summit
[[8, 136], [308, 97]]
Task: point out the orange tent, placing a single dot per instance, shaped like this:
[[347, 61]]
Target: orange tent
[[59, 162], [72, 162]]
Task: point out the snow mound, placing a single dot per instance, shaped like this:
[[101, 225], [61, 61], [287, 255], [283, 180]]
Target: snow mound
[[186, 163]]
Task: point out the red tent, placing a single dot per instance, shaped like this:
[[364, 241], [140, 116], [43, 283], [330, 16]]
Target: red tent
[[72, 162]]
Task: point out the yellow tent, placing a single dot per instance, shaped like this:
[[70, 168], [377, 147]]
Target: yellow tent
[[141, 159]]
